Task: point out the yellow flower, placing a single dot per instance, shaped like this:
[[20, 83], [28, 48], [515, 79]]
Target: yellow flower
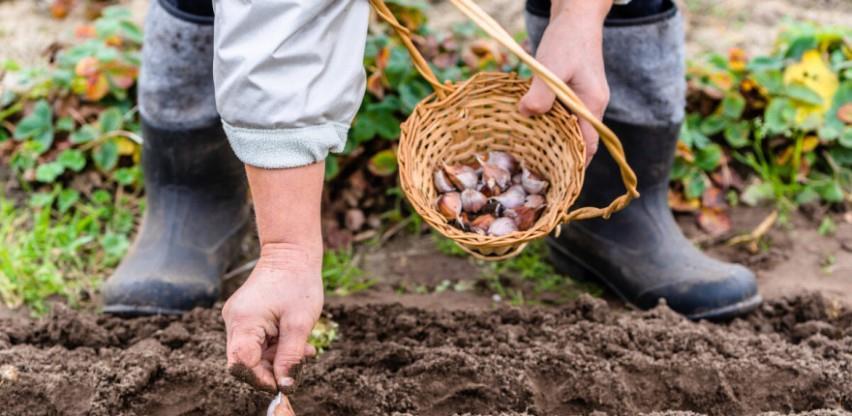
[[813, 73]]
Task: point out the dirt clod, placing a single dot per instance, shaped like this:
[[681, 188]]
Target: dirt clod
[[792, 355]]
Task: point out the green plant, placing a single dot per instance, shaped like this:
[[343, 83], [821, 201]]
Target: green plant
[[341, 275], [525, 277], [61, 243], [78, 115], [785, 117]]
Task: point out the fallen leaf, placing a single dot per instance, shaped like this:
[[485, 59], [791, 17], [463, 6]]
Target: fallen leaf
[[374, 85], [59, 9], [96, 87], [679, 203], [714, 221], [713, 197], [85, 32], [87, 67]]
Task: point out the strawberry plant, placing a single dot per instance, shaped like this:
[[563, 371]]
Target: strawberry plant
[[785, 117]]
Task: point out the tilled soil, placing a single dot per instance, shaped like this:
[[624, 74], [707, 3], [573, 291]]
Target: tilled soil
[[793, 355]]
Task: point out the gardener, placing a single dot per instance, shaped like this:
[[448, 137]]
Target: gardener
[[288, 80]]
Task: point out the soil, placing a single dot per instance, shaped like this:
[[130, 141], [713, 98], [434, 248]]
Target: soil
[[793, 355]]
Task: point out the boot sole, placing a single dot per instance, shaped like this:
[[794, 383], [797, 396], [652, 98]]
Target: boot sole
[[135, 311], [575, 268]]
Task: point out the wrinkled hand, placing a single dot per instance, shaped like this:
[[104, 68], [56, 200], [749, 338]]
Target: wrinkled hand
[[268, 320], [571, 48]]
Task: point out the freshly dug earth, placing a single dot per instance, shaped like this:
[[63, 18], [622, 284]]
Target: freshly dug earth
[[792, 355]]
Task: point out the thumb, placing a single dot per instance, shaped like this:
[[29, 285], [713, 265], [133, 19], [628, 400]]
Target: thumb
[[292, 337], [538, 100]]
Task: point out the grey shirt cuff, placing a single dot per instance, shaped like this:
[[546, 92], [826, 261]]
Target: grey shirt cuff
[[286, 148]]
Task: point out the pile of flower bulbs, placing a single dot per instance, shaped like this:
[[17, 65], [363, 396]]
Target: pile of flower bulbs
[[496, 196]]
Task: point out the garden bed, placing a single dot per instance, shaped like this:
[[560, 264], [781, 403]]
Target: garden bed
[[792, 355]]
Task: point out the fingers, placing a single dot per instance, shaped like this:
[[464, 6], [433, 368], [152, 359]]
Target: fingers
[[292, 340], [245, 356], [591, 138], [538, 100]]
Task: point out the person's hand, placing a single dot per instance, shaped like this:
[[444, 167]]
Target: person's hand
[[268, 320], [571, 48]]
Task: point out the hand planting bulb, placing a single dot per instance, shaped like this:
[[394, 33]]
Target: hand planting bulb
[[462, 176], [280, 406]]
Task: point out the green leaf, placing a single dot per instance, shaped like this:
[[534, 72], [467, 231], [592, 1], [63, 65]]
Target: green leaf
[[411, 93], [799, 46], [713, 124], [67, 199], [38, 125], [110, 120], [830, 191], [732, 105], [772, 80], [383, 163], [757, 192], [765, 63], [779, 115], [737, 134], [101, 197], [680, 169], [332, 167], [48, 172], [708, 157], [845, 139], [399, 67], [804, 94], [115, 245], [807, 196], [126, 176], [72, 159], [41, 199], [85, 134], [695, 184], [65, 124], [106, 156]]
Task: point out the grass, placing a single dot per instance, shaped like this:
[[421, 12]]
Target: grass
[[59, 245], [525, 278], [341, 274]]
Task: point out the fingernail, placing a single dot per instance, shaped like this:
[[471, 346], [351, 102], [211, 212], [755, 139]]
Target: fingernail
[[286, 381]]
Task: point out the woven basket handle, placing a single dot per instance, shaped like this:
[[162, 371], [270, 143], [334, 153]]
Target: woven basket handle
[[562, 91]]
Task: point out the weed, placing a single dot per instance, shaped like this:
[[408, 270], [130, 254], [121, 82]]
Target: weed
[[60, 244], [341, 275]]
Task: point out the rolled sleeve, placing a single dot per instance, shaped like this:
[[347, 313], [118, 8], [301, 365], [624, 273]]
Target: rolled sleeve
[[289, 76]]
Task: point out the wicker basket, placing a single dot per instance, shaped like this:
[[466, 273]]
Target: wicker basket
[[481, 114]]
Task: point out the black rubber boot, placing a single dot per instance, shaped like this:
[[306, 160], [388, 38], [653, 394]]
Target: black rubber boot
[[197, 213], [197, 194], [640, 253]]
